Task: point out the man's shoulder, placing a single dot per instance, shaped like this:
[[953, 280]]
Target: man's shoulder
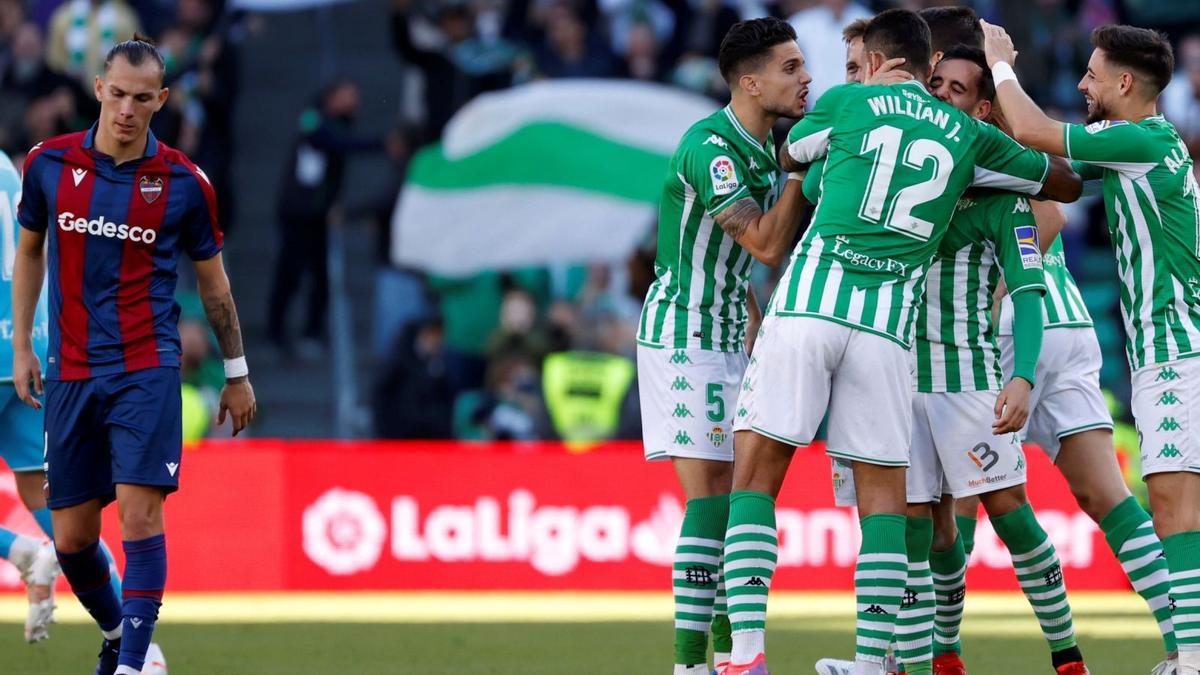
[[54, 147], [179, 165]]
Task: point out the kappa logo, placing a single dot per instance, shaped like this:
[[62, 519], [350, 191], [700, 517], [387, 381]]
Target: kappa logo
[[681, 410], [1022, 206], [875, 609], [754, 164], [717, 141], [78, 175], [755, 581], [1169, 398], [1169, 451], [172, 467], [682, 438], [1168, 424], [680, 357], [1167, 374], [681, 384]]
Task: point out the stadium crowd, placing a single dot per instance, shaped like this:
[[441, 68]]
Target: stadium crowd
[[532, 353]]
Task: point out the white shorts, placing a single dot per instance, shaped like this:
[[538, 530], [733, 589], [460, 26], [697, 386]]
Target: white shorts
[[804, 366], [687, 398], [1067, 398], [953, 451], [1164, 397]]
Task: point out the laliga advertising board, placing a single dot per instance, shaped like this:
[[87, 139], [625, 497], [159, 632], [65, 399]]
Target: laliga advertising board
[[363, 515]]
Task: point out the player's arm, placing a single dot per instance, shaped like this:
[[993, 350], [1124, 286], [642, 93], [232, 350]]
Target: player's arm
[[1002, 163], [766, 236], [1030, 126], [29, 271], [237, 397], [1051, 219], [1019, 254]]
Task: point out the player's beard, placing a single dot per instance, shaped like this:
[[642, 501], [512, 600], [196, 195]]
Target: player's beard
[[1098, 112]]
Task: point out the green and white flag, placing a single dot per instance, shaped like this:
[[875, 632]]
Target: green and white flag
[[552, 172]]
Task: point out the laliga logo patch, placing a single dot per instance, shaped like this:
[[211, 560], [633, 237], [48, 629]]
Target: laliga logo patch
[[151, 188], [724, 178]]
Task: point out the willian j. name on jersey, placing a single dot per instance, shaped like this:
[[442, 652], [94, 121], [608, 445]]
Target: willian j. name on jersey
[[912, 105]]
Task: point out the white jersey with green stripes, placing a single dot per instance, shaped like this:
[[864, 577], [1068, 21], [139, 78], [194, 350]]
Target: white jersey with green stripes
[[698, 298], [1153, 205], [1062, 306], [990, 237], [897, 162]]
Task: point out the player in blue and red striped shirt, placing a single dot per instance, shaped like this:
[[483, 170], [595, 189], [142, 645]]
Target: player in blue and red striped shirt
[[116, 208]]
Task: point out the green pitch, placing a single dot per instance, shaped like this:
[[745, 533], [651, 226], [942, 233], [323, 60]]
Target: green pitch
[[633, 647]]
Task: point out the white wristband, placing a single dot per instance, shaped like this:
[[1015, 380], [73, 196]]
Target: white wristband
[[236, 368], [1002, 72], [795, 175]]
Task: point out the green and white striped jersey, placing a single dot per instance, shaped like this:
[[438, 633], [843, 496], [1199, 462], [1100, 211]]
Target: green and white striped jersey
[[698, 299], [1153, 205], [955, 345], [897, 162], [1062, 306]]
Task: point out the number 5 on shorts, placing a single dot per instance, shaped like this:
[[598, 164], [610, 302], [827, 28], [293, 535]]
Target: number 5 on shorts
[[714, 398]]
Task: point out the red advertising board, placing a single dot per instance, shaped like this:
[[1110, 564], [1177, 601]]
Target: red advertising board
[[280, 515]]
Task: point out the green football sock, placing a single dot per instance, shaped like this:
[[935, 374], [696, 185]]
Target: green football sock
[[950, 587], [1183, 560], [696, 570], [966, 529], [1040, 574], [879, 580], [1130, 534], [914, 625], [751, 549]]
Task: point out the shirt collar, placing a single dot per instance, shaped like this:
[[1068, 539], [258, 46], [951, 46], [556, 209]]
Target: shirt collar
[[151, 142]]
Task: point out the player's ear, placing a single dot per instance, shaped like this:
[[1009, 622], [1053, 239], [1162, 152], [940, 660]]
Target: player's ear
[[98, 87], [874, 62], [162, 98], [983, 109], [749, 84], [1125, 82]]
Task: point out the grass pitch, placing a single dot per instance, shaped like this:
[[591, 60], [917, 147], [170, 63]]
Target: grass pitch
[[430, 634]]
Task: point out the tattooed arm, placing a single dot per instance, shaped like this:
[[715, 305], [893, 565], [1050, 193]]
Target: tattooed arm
[[237, 397], [766, 236]]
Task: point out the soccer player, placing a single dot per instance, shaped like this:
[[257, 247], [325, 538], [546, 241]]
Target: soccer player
[[1153, 205], [961, 443], [721, 209], [837, 332], [115, 208]]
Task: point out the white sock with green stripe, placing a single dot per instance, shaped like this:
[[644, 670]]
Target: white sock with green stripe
[[950, 586], [1040, 574], [1183, 559], [1130, 534], [751, 549], [696, 572], [880, 576], [721, 636]]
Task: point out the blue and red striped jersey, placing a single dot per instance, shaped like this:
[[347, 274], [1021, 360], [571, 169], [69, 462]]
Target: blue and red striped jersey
[[115, 234]]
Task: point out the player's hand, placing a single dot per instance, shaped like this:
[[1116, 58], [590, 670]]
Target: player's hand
[[997, 45], [787, 163], [237, 399], [1012, 407], [27, 377], [889, 73]]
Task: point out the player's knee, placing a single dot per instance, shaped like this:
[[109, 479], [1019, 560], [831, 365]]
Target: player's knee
[[1004, 501]]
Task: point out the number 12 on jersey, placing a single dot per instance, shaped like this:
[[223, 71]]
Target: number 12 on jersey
[[884, 143]]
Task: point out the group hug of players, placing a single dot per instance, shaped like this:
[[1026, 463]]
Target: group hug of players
[[935, 179]]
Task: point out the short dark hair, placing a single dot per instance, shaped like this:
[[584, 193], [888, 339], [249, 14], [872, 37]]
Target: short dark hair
[[855, 30], [900, 33], [136, 51], [950, 26], [748, 44], [1146, 51], [987, 85]]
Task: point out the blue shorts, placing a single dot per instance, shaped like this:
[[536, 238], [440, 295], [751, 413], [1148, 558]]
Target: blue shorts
[[21, 438], [122, 428]]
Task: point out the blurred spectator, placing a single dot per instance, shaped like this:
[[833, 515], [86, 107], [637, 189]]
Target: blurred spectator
[[202, 376], [642, 56], [312, 185], [819, 33], [25, 79], [510, 408], [519, 331], [1181, 100], [570, 50], [413, 398], [82, 32], [459, 65]]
